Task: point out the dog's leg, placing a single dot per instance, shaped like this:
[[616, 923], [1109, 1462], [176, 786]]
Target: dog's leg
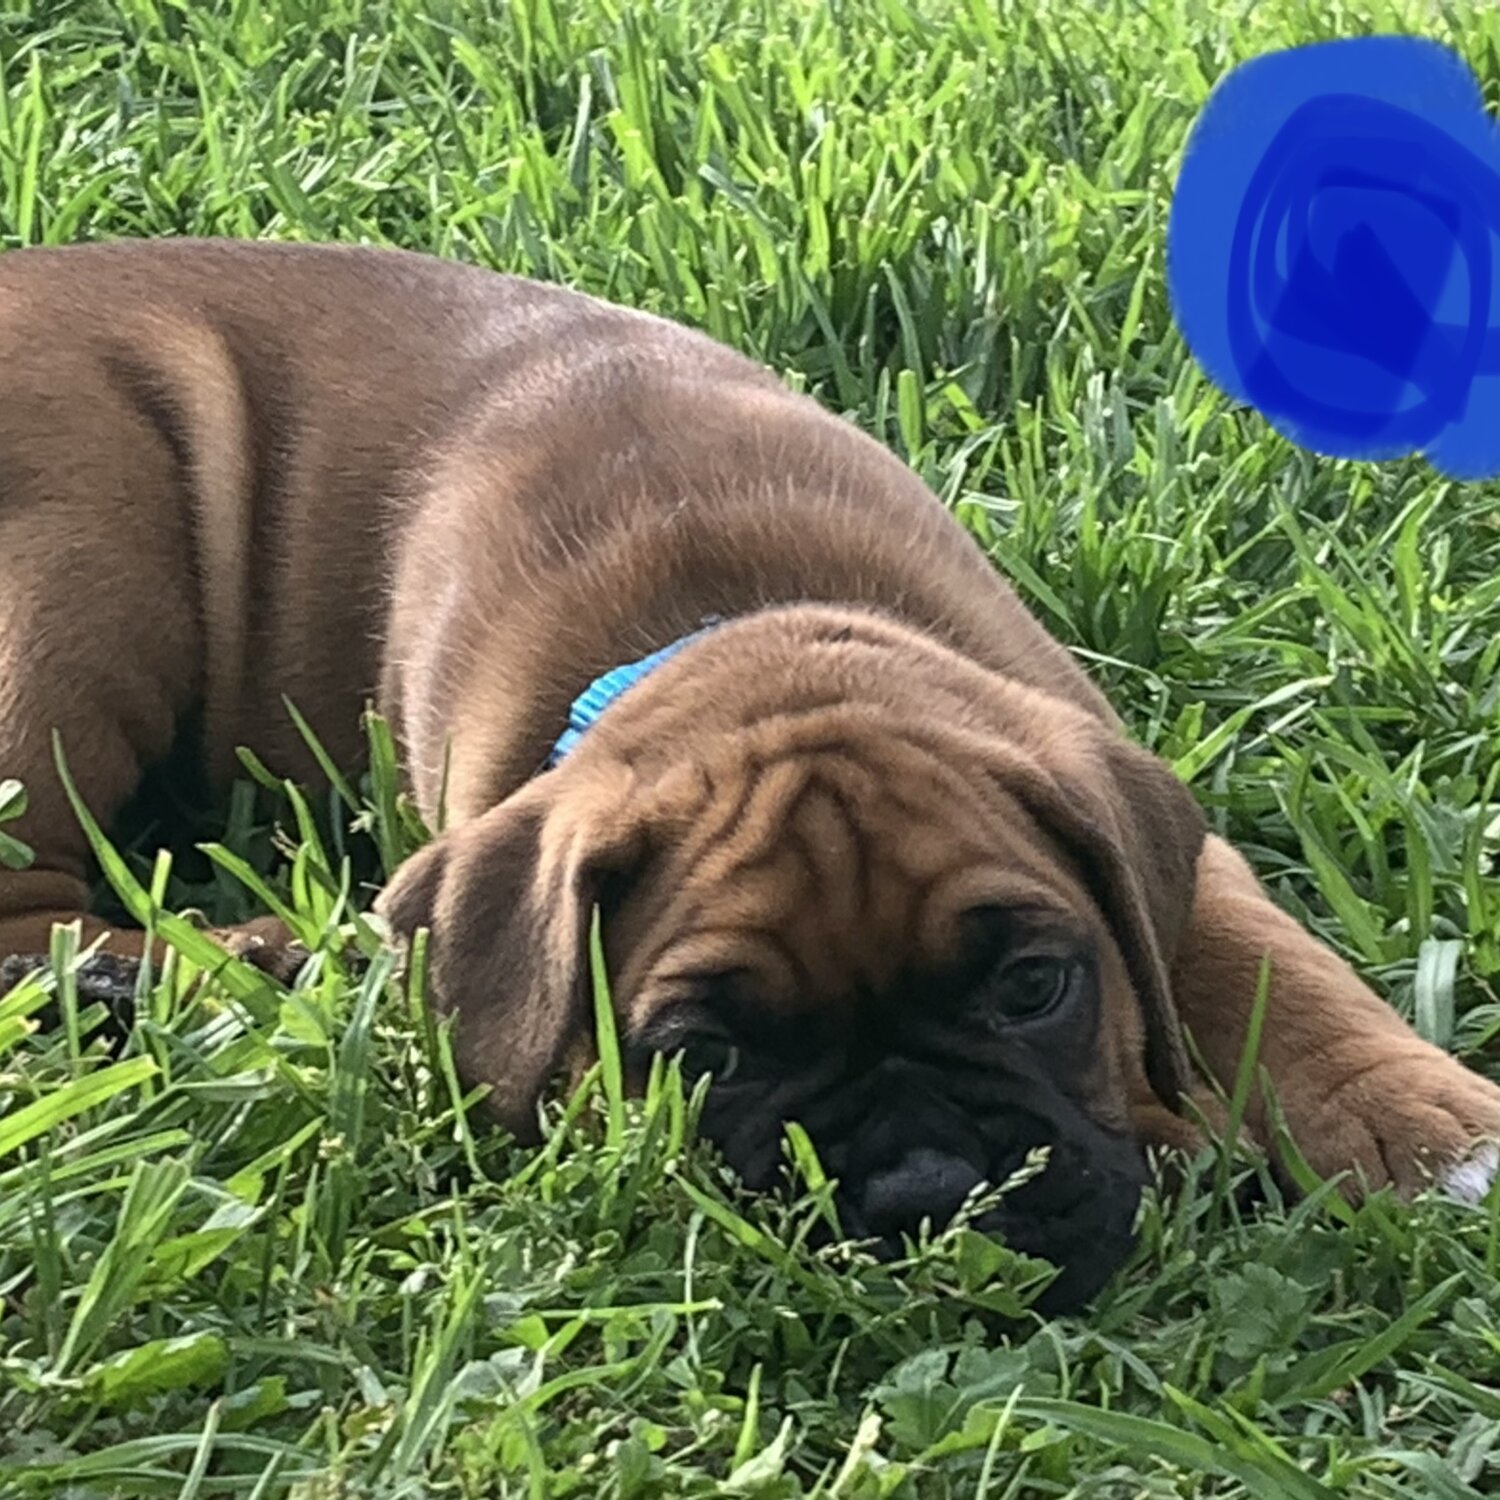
[[99, 615], [124, 481], [1359, 1088]]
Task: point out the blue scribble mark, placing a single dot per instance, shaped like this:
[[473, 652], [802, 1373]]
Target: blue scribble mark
[[1332, 250]]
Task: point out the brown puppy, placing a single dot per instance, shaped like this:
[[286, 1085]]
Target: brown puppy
[[873, 849]]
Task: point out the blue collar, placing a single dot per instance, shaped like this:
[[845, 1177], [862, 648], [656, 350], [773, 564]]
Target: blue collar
[[603, 691]]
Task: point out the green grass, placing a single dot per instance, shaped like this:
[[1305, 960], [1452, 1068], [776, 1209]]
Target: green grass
[[262, 1253]]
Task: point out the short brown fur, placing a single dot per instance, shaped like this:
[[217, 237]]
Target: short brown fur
[[230, 472]]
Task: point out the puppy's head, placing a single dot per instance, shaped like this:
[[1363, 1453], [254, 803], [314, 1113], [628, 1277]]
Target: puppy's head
[[924, 911]]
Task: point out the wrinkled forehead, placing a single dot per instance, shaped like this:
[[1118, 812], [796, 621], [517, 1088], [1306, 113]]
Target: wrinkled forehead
[[816, 881]]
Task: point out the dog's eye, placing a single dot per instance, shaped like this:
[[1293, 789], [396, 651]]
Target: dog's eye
[[709, 1052], [1030, 987]]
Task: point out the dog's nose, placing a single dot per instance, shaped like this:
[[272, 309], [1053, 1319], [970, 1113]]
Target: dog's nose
[[923, 1184]]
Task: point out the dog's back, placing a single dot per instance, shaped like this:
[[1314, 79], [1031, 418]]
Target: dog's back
[[234, 472], [241, 424]]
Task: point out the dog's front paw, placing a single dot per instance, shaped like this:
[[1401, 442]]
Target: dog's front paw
[[1471, 1177], [267, 944], [1417, 1120]]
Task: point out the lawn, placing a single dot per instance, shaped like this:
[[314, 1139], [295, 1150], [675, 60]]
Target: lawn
[[261, 1253]]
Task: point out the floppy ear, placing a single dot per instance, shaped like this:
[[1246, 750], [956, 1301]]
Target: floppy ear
[[1136, 831], [507, 898]]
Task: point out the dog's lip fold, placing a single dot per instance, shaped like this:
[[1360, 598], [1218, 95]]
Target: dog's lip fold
[[904, 1149], [1087, 1241]]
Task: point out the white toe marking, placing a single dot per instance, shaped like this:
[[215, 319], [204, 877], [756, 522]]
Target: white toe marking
[[1473, 1177]]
